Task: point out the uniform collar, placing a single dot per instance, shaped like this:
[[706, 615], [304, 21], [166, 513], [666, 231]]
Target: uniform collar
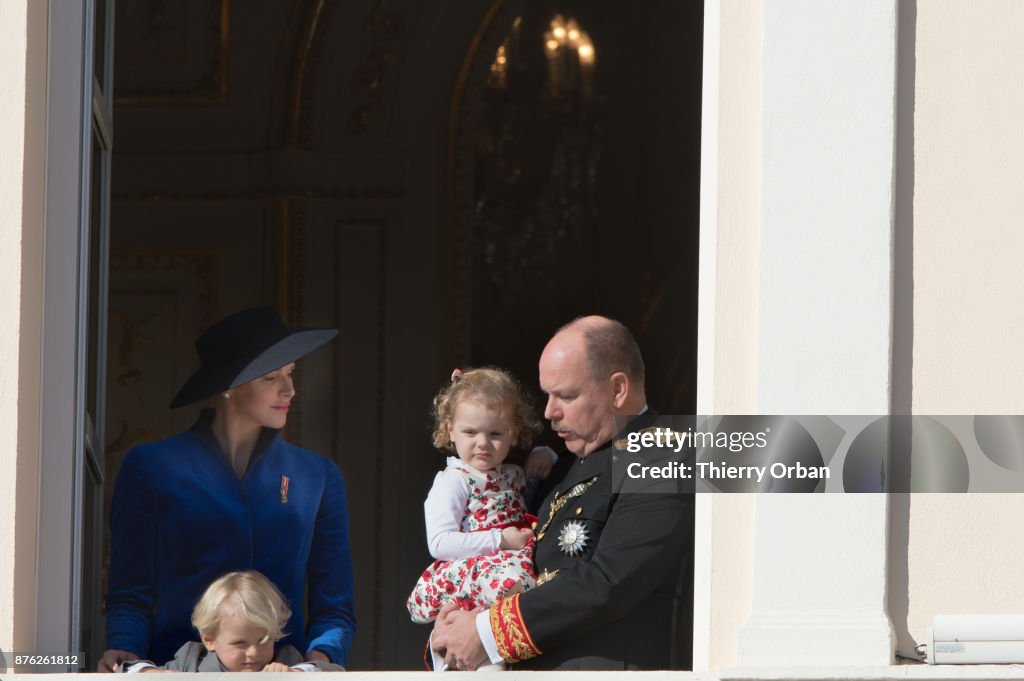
[[595, 463]]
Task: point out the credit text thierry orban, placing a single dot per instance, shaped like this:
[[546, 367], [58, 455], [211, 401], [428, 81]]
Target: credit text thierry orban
[[707, 441]]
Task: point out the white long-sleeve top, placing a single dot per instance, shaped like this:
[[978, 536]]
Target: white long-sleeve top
[[448, 538]]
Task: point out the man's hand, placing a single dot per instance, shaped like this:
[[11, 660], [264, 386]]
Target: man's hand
[[456, 639], [539, 463], [317, 656], [515, 538], [112, 659]]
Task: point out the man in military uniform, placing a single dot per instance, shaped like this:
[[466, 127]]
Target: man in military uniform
[[608, 560]]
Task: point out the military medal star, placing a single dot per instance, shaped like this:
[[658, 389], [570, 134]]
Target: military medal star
[[573, 538]]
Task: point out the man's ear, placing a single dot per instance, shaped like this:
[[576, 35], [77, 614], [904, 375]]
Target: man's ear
[[620, 389]]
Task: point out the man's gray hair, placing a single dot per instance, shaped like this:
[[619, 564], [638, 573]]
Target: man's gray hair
[[610, 348]]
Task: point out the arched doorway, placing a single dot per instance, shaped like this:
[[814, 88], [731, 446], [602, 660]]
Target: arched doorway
[[319, 157]]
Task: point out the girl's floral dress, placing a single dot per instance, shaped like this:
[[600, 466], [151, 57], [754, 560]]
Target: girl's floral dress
[[471, 570]]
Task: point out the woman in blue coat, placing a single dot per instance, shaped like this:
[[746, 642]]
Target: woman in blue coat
[[229, 494]]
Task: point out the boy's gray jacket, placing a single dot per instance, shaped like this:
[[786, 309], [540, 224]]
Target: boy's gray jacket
[[194, 657]]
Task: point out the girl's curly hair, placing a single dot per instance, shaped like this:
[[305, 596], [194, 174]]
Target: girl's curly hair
[[492, 387]]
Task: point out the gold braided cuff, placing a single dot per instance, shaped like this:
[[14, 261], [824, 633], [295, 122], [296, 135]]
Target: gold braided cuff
[[514, 642]]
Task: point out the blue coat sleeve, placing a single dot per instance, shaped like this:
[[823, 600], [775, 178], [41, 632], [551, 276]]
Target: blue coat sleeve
[[130, 592], [332, 620]]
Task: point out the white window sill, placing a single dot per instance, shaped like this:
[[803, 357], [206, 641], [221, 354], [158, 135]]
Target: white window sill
[[889, 673], [924, 672]]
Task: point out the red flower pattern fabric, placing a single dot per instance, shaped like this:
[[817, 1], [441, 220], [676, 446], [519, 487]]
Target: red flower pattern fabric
[[495, 501]]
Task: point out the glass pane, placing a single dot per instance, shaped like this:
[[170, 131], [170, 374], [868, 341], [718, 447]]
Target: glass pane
[[99, 50], [92, 641], [92, 398], [91, 565]]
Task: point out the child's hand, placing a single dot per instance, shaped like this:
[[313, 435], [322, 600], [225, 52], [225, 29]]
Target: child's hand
[[279, 667], [539, 463], [514, 538]]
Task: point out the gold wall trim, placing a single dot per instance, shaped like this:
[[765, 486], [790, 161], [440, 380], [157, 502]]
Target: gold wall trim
[[295, 107], [455, 278]]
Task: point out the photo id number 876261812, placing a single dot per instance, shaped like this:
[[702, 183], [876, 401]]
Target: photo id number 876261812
[[46, 659], [70, 661]]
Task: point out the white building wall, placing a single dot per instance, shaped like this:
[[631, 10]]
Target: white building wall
[[965, 551], [727, 355], [824, 319], [22, 150], [957, 553]]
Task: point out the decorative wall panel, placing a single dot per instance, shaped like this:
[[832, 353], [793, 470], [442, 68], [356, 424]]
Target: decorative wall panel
[[172, 52]]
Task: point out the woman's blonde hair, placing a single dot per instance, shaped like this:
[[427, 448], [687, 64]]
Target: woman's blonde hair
[[248, 594], [493, 388]]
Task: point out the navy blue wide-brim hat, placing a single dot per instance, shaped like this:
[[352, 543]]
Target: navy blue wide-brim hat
[[244, 346]]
